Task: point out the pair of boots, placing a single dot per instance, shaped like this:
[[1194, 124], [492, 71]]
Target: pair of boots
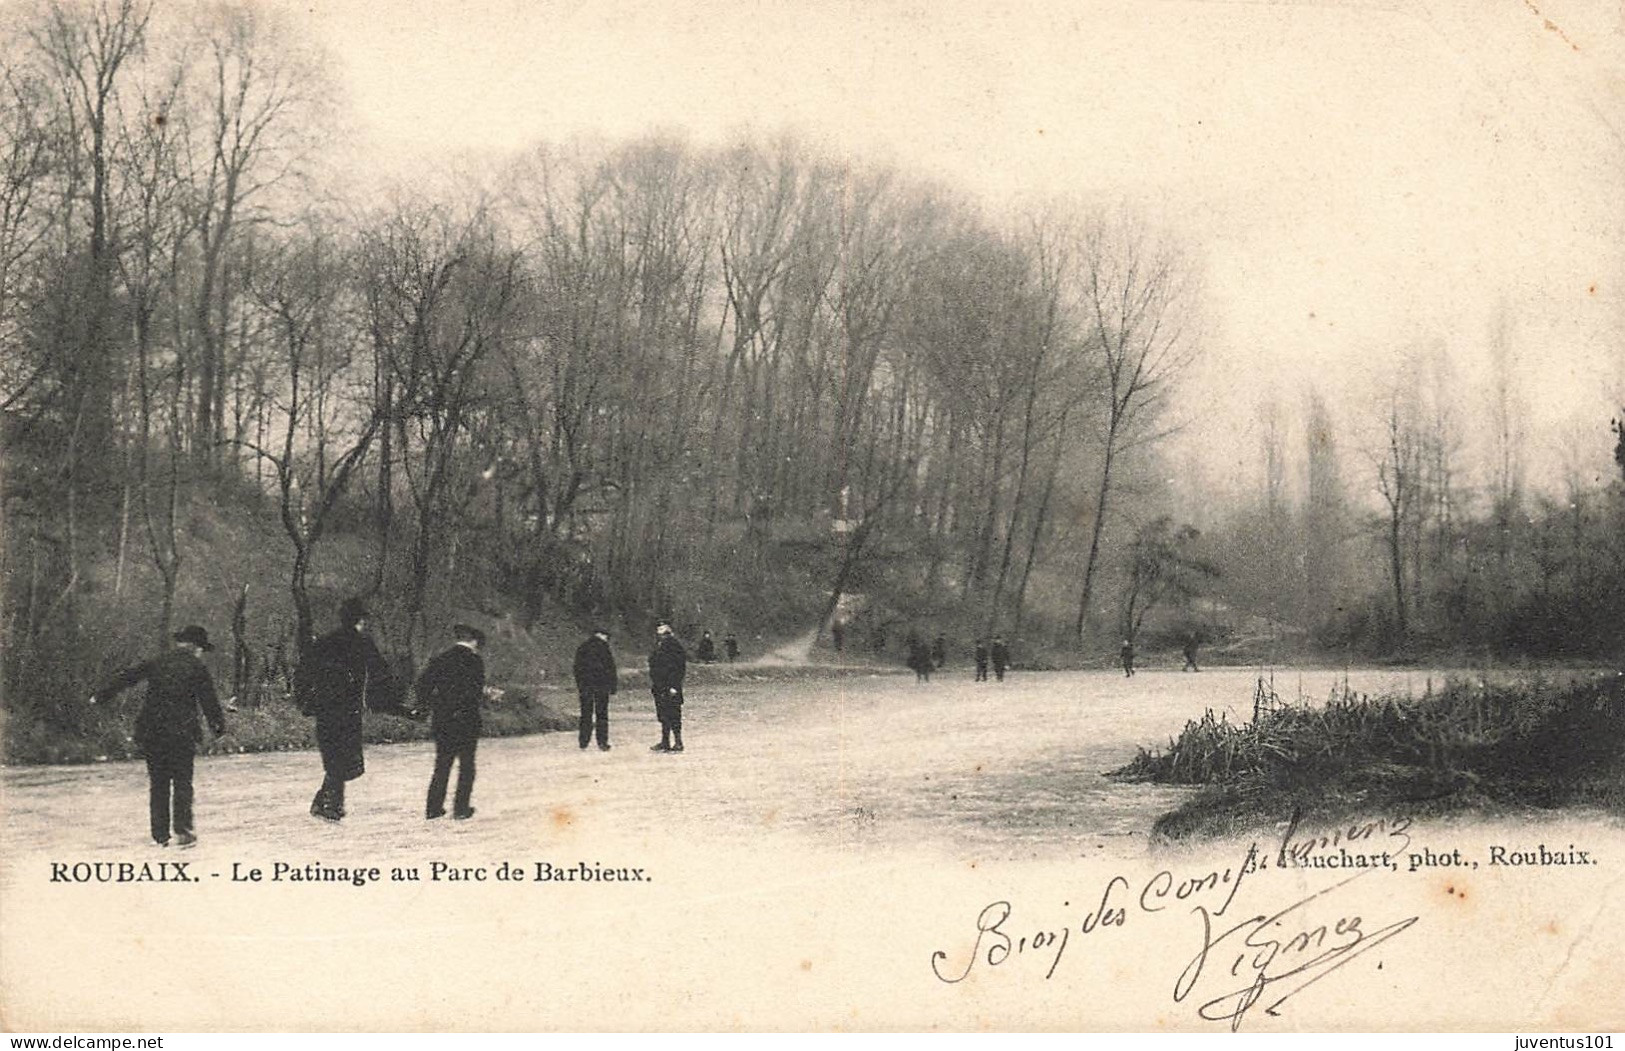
[[671, 741]]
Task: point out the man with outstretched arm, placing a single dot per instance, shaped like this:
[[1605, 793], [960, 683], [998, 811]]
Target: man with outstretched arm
[[167, 729]]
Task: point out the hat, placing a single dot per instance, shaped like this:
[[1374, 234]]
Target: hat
[[195, 635], [601, 631], [469, 632], [352, 611], [662, 628]]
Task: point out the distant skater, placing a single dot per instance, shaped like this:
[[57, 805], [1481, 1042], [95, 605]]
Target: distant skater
[[1191, 642], [668, 665], [981, 661], [706, 651], [1001, 657], [919, 659], [730, 646], [596, 679], [452, 686], [939, 651], [167, 729], [1125, 653]]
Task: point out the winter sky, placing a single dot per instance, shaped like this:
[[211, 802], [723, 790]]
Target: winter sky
[[1354, 178]]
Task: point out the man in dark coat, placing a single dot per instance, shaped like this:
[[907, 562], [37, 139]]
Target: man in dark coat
[[341, 674], [596, 679], [919, 658], [706, 651], [981, 661], [1125, 654], [1001, 657], [167, 728], [730, 646], [939, 651], [451, 688], [668, 664]]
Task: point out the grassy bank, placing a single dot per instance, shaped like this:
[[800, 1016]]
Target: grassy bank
[[81, 733], [103, 732], [1468, 747]]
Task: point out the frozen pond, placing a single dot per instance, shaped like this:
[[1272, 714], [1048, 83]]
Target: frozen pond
[[1006, 770]]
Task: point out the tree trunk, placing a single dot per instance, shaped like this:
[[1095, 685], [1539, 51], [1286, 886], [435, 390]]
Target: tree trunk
[[1089, 567]]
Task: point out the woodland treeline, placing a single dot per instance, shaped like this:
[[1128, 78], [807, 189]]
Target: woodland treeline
[[1420, 525], [602, 367], [606, 374]]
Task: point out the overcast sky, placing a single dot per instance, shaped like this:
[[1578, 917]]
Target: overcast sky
[[1354, 178]]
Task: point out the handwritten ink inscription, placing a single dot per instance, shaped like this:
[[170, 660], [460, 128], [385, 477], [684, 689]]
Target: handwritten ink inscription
[[1237, 962]]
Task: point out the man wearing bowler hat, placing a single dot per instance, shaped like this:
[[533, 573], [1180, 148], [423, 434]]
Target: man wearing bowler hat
[[596, 679], [451, 687], [167, 729], [668, 664], [341, 674]]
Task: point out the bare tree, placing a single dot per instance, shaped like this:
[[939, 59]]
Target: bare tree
[[154, 233], [29, 151], [1398, 458], [87, 49], [325, 400], [1324, 511], [1506, 443], [1135, 301], [253, 120], [448, 289]]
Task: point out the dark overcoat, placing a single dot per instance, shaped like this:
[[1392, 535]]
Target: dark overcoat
[[595, 667], [668, 665], [1001, 656], [451, 687], [341, 674], [178, 685]]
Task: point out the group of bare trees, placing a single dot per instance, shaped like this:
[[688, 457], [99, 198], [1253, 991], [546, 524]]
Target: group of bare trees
[[607, 367], [137, 160], [732, 347], [1420, 524]]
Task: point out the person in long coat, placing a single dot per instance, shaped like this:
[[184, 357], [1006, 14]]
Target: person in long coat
[[167, 729], [668, 665], [342, 674], [1001, 657], [451, 688], [919, 659], [596, 678]]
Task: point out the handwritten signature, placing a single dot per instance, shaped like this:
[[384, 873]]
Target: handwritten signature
[[1261, 945]]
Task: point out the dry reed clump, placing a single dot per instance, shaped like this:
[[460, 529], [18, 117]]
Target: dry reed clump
[[1534, 743]]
